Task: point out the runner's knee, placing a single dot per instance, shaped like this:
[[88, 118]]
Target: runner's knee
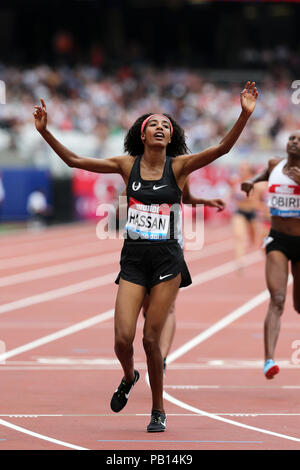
[[277, 301], [123, 341], [150, 343]]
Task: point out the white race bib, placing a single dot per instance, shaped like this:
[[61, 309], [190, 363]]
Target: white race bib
[[148, 221], [284, 200]]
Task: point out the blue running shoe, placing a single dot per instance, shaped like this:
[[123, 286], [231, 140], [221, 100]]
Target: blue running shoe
[[270, 369]]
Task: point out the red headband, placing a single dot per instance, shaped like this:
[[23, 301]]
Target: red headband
[[159, 114]]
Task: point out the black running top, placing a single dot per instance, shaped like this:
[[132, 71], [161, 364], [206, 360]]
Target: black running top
[[153, 205]]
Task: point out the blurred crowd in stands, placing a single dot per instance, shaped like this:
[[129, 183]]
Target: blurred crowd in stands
[[90, 111]]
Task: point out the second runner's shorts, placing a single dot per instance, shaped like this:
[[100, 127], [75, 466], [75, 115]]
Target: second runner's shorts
[[289, 245]]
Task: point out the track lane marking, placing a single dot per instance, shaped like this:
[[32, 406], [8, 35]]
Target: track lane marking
[[43, 244], [179, 442], [225, 321], [95, 261], [69, 252], [228, 319], [80, 287], [59, 293], [59, 334], [123, 415], [60, 253], [185, 406], [40, 436], [78, 327], [59, 269]]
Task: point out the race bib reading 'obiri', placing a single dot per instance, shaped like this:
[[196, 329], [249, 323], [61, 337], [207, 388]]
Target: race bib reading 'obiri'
[[284, 200]]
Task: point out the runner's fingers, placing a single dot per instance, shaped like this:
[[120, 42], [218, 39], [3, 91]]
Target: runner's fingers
[[251, 87]]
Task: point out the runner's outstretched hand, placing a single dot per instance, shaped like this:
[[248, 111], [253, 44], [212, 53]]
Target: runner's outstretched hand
[[248, 97], [40, 117]]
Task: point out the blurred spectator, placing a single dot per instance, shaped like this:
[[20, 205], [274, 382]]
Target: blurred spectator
[[64, 46], [94, 109], [2, 195], [38, 209], [246, 227]]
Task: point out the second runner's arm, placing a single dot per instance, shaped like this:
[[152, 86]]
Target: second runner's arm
[[248, 185], [188, 198]]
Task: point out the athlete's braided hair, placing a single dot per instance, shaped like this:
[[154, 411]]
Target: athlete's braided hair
[[134, 145]]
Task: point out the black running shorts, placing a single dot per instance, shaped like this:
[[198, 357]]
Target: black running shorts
[[289, 245], [152, 263], [248, 215]]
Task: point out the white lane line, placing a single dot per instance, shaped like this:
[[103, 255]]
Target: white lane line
[[62, 230], [96, 365], [192, 387], [209, 250], [59, 253], [59, 334], [22, 235], [230, 387], [75, 360], [103, 361], [239, 312], [185, 406], [58, 293], [95, 261], [44, 340], [58, 269], [48, 364], [197, 415], [40, 436], [11, 248], [225, 268], [79, 288], [108, 278], [225, 321]]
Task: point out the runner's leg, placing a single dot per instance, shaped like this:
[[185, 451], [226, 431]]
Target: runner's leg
[[129, 301], [239, 227], [168, 332], [296, 286], [276, 277], [160, 300]]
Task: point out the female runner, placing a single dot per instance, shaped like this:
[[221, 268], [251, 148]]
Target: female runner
[[151, 259], [283, 243], [244, 219], [168, 331]]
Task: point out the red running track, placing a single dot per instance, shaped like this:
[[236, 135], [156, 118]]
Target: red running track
[[59, 370]]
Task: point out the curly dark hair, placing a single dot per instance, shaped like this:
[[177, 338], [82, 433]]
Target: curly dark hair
[[134, 145]]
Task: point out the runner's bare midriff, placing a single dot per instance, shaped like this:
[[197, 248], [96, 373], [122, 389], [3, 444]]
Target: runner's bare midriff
[[289, 226]]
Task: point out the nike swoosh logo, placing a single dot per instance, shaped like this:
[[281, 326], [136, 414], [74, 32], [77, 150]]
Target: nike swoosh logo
[[127, 394], [158, 187], [162, 277]]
